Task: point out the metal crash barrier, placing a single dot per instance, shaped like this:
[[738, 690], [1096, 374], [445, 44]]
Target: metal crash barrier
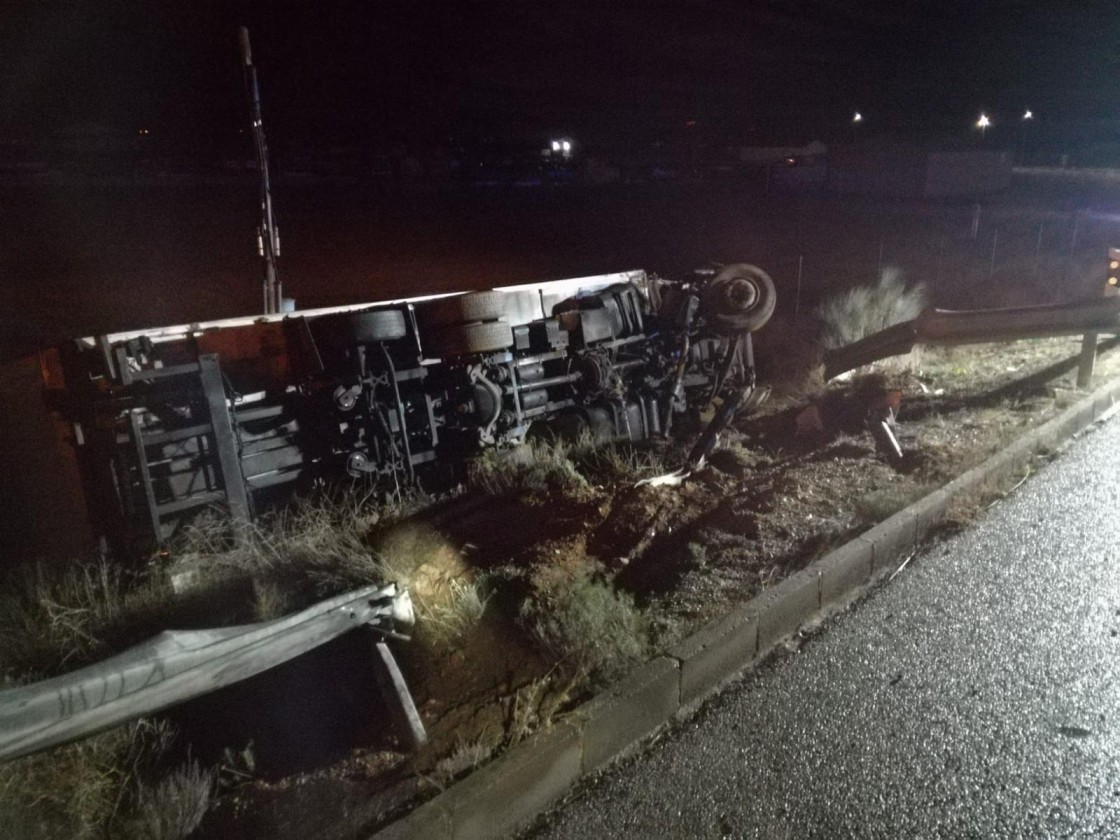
[[176, 666]]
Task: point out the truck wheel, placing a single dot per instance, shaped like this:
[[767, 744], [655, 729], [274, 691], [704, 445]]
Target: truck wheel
[[467, 339], [473, 306], [363, 327], [740, 298]]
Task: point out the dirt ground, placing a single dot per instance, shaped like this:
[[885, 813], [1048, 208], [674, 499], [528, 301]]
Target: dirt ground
[[786, 485]]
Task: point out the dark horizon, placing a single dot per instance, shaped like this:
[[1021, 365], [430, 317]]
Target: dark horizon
[[759, 72]]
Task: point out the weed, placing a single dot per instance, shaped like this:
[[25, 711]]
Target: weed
[[316, 544], [236, 767], [449, 600], [616, 462], [878, 505], [588, 626], [697, 554], [448, 620], [864, 310], [173, 808], [270, 600], [466, 756], [52, 619], [535, 705], [538, 468], [415, 555], [734, 459], [81, 790]]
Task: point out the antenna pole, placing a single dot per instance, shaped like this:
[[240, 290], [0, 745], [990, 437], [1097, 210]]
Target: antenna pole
[[268, 236]]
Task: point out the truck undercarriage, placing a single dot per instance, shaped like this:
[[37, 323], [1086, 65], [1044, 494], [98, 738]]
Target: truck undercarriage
[[245, 413]]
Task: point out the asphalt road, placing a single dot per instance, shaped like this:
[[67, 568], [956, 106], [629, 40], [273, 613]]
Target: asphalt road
[[977, 695]]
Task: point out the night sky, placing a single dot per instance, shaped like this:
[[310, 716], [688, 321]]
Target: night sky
[[382, 71]]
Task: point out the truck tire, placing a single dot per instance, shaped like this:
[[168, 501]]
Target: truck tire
[[740, 298], [468, 339], [363, 327], [462, 309]]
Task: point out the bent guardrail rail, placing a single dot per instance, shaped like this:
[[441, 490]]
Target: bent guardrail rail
[[939, 326], [176, 666]]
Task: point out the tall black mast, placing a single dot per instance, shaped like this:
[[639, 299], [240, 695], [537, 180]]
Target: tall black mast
[[268, 237]]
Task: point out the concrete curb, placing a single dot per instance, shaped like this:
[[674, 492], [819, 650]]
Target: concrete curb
[[507, 793]]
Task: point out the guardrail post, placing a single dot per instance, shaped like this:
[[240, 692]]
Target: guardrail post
[[1089, 341], [406, 719], [1088, 359]]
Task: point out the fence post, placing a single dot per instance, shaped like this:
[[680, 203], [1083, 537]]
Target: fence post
[[1038, 246], [992, 264], [797, 299], [976, 220]]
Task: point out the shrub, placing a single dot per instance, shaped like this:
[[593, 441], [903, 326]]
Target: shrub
[[537, 468], [864, 310], [587, 625]]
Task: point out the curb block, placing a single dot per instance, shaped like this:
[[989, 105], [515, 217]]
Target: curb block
[[722, 647], [507, 793], [628, 710], [510, 791], [845, 570], [890, 539], [785, 607]]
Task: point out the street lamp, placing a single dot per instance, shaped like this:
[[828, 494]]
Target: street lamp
[[1023, 123], [983, 124], [857, 118]]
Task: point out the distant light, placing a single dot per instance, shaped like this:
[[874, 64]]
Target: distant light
[[145, 131], [858, 117], [983, 122], [1028, 115], [555, 145], [566, 145]]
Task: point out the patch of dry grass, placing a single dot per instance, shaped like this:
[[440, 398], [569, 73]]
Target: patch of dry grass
[[587, 625], [864, 310], [878, 505], [447, 621], [108, 785], [174, 807], [536, 469], [615, 462], [56, 618], [466, 756]]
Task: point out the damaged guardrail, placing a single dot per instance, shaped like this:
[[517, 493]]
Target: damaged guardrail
[[176, 666], [937, 326]]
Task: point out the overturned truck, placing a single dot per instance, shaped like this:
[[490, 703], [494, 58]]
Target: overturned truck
[[244, 413]]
